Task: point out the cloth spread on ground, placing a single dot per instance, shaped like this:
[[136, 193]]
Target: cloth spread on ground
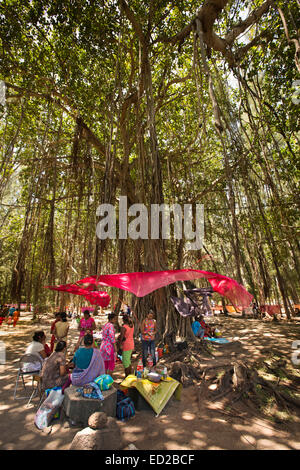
[[218, 340], [156, 394]]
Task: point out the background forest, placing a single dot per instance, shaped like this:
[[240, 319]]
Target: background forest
[[176, 102]]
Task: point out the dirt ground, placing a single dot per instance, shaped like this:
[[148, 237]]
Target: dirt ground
[[182, 425]]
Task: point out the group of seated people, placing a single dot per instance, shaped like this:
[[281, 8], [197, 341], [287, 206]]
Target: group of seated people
[[201, 329], [86, 364]]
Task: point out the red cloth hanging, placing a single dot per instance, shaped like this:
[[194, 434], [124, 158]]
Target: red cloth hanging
[[143, 283], [100, 298]]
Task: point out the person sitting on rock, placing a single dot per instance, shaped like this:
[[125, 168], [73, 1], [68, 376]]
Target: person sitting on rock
[[88, 363]]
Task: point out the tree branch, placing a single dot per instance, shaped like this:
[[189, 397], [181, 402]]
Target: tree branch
[[207, 15], [249, 21]]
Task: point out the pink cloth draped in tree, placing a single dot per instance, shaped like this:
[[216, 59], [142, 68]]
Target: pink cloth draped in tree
[[94, 297], [143, 283]]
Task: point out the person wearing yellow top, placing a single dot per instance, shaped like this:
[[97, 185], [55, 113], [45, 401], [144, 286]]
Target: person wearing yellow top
[[61, 328]]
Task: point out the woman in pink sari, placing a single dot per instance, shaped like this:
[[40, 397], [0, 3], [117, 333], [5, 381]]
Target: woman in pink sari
[[108, 346], [86, 326]]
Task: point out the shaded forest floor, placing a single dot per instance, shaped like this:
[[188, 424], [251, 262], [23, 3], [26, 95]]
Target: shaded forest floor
[[203, 418]]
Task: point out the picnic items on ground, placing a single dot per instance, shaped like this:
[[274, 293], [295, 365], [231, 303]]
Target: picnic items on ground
[[90, 390], [48, 408]]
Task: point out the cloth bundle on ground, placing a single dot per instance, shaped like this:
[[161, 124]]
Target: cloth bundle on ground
[[104, 381], [218, 340], [90, 390]]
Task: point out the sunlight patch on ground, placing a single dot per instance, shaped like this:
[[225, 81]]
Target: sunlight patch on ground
[[270, 444], [171, 445], [171, 432], [27, 437], [188, 416], [249, 439], [4, 407]]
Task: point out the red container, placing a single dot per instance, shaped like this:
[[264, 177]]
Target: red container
[[160, 352]]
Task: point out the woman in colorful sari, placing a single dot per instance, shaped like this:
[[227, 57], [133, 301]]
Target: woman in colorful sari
[[108, 346], [16, 317], [88, 363]]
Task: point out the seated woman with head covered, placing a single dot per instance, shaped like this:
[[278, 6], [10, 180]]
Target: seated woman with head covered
[[88, 363]]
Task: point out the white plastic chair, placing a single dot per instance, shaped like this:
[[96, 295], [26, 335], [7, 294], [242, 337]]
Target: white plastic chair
[[29, 365]]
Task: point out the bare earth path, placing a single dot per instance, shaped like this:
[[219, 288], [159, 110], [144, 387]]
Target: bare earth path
[[182, 425]]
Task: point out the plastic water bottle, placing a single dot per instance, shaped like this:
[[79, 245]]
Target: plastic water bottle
[[165, 372], [139, 366]]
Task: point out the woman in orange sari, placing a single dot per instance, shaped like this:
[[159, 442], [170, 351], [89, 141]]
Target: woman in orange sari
[[16, 316]]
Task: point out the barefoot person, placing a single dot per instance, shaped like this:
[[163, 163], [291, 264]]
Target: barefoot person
[[126, 343]]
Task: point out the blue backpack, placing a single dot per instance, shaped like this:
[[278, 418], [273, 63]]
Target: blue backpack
[[125, 409]]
